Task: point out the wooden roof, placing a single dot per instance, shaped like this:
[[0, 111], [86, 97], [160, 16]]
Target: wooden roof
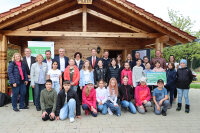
[[137, 13]]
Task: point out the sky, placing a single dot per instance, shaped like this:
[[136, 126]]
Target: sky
[[158, 7]]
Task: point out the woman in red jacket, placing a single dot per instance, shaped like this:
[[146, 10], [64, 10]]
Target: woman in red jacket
[[142, 96], [89, 99], [127, 72], [72, 74]]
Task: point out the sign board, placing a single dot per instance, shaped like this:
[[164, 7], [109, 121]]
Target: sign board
[[84, 1], [153, 77]]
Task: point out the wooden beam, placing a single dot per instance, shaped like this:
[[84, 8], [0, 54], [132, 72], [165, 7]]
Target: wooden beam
[[84, 18], [81, 34], [51, 20], [115, 21], [35, 11], [3, 64]]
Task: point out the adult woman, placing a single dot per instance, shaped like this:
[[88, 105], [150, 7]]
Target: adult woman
[[38, 78], [78, 60], [72, 74], [18, 78]]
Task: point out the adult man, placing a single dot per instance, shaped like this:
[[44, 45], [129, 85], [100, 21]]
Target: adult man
[[106, 60], [93, 59], [62, 60], [28, 60], [137, 57], [160, 59], [48, 59]]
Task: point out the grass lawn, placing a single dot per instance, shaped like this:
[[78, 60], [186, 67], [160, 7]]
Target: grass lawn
[[196, 86]]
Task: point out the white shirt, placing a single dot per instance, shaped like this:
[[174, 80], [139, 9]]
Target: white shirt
[[62, 64], [49, 64], [78, 63], [54, 75], [28, 59]]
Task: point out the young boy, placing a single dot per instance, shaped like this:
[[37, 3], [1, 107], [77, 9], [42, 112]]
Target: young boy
[[67, 102], [48, 99], [160, 98], [183, 79]]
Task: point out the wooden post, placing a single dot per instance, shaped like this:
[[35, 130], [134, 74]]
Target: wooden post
[[84, 24], [3, 64], [159, 43]]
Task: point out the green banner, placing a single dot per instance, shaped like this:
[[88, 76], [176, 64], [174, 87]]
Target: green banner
[[153, 77]]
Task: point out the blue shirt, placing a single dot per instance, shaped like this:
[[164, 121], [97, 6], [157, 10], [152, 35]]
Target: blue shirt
[[41, 79], [159, 94]]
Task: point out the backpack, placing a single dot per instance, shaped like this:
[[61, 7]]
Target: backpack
[[4, 99]]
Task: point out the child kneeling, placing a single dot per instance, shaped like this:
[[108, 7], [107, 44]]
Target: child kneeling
[[160, 98], [67, 102], [48, 99]]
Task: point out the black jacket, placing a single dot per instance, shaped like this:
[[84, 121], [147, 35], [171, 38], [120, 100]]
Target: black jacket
[[57, 58], [100, 74], [80, 64], [26, 64], [114, 73], [171, 79], [106, 63], [96, 61], [125, 92], [183, 78], [61, 101]]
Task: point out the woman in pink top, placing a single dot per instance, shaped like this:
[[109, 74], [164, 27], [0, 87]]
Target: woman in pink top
[[127, 72], [89, 99], [157, 67], [142, 96]]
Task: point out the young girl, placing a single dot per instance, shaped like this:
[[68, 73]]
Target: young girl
[[127, 72], [171, 81], [129, 60], [126, 95], [113, 71], [183, 80], [86, 74], [142, 96], [100, 73], [137, 72], [89, 99], [119, 61], [157, 67], [101, 96], [56, 76], [72, 74], [147, 68], [113, 107]]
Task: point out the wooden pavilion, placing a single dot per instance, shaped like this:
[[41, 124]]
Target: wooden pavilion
[[79, 25]]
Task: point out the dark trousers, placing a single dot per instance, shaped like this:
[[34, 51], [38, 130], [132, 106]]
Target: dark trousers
[[171, 93], [47, 117], [27, 94], [85, 107], [37, 90], [175, 93], [79, 93]]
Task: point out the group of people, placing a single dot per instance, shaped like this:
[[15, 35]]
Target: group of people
[[61, 85]]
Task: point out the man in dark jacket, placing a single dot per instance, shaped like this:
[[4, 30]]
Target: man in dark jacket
[[106, 60], [48, 59], [67, 101], [93, 59], [62, 60], [28, 60]]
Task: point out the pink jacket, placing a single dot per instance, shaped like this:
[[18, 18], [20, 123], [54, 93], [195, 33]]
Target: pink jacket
[[127, 73], [142, 93], [89, 100]]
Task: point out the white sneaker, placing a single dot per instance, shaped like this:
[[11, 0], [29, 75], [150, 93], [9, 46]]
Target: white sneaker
[[71, 120], [110, 112]]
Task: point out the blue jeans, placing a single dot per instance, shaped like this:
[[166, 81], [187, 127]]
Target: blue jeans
[[127, 104], [37, 90], [171, 93], [56, 86], [115, 109], [165, 105], [21, 88], [68, 109], [184, 92], [102, 108], [74, 88], [85, 107]]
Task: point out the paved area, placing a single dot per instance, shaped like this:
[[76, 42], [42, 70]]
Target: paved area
[[29, 121]]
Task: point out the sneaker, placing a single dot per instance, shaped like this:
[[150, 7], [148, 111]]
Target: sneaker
[[16, 109], [71, 120], [24, 107], [164, 113], [38, 109], [110, 112]]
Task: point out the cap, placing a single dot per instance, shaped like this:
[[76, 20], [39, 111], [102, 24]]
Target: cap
[[143, 79], [160, 81], [89, 82]]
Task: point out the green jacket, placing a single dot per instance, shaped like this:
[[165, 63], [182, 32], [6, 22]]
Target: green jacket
[[48, 100]]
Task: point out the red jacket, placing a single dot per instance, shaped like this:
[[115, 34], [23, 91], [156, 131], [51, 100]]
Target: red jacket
[[89, 100], [76, 75], [127, 73], [142, 93]]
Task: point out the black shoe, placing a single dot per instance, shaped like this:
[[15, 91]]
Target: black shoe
[[16, 109], [24, 107], [164, 113], [38, 109], [179, 107], [187, 108]]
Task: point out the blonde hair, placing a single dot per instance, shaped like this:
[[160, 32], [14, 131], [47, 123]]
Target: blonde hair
[[115, 87], [90, 67], [13, 57], [39, 55]]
